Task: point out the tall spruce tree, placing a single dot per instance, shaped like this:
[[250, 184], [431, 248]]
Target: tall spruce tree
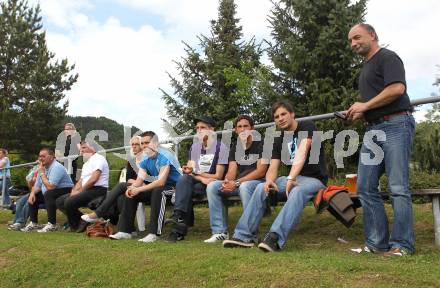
[[317, 70], [214, 77], [32, 83]]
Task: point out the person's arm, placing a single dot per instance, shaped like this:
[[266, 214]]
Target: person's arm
[[219, 172], [298, 163], [3, 162], [46, 183], [35, 190], [159, 182], [90, 183], [232, 170], [387, 96], [256, 174]]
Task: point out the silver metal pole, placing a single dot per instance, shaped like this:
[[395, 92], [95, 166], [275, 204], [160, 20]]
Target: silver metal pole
[[436, 215]]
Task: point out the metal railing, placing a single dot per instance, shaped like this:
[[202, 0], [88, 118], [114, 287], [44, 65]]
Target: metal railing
[[176, 140]]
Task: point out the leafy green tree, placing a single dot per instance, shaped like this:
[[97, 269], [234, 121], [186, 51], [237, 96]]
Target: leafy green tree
[[426, 150], [214, 77], [32, 82], [317, 69]]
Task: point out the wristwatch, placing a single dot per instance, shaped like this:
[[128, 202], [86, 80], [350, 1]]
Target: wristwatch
[[237, 183], [290, 178]]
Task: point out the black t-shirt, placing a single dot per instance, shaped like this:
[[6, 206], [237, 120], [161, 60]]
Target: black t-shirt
[[383, 69], [285, 147], [246, 159]]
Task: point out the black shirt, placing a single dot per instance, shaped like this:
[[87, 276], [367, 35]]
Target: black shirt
[[247, 161], [285, 147], [382, 70], [130, 173]]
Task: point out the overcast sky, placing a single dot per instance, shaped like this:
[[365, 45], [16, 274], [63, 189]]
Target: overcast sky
[[123, 48]]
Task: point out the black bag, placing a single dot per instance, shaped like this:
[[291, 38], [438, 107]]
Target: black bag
[[18, 190]]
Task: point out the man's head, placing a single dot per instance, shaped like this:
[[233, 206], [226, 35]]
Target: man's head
[[283, 115], [204, 127], [46, 156], [149, 143], [243, 126], [87, 149], [3, 152], [69, 128], [363, 40], [135, 143]]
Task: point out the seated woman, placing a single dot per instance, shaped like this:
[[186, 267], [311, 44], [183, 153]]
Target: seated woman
[[108, 207]]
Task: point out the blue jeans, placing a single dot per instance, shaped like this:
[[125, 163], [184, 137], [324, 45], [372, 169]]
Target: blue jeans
[[289, 215], [6, 198], [21, 210], [396, 149], [217, 216]]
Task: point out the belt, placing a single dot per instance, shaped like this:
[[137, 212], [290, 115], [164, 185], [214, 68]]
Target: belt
[[388, 117]]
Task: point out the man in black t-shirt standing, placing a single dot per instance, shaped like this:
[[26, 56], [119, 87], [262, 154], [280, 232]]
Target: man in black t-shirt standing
[[305, 179], [245, 172], [386, 108]]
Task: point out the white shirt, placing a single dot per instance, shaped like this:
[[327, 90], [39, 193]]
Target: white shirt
[[96, 162]]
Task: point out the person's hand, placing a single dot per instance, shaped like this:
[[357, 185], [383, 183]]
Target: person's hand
[[270, 185], [130, 193], [31, 198], [187, 169], [75, 191], [41, 169], [228, 186], [356, 108], [289, 186]]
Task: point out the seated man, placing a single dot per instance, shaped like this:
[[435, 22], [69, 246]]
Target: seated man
[[112, 198], [52, 182], [22, 205], [156, 173], [305, 179], [92, 184], [207, 161], [244, 160]]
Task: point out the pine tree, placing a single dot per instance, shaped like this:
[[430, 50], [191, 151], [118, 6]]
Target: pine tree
[[32, 83], [213, 79], [317, 70]]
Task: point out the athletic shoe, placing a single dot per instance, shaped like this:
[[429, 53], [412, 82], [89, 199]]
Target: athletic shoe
[[15, 227], [82, 226], [397, 252], [269, 243], [31, 227], [149, 238], [174, 237], [366, 250], [237, 243], [177, 221], [49, 227], [89, 219], [120, 236], [217, 237]]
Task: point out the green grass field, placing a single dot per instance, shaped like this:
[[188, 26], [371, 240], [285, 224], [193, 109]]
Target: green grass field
[[313, 257]]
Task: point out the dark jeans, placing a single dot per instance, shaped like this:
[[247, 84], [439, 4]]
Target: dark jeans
[[186, 188], [129, 207], [69, 205], [49, 199], [109, 206]]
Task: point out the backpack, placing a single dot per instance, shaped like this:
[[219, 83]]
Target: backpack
[[100, 229]]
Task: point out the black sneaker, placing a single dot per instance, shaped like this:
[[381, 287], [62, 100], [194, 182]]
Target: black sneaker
[[177, 221], [174, 237], [237, 243], [82, 226], [269, 243]]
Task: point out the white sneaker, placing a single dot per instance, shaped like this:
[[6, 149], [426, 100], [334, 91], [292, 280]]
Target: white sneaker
[[217, 238], [30, 227], [88, 219], [15, 227], [149, 238], [120, 236], [49, 227]]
